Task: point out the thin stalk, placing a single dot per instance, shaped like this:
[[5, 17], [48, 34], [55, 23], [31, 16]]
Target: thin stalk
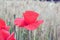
[[30, 35]]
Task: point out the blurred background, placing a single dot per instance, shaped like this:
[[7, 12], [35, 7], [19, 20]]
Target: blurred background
[[49, 11]]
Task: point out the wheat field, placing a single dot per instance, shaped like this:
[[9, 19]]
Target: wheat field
[[49, 12]]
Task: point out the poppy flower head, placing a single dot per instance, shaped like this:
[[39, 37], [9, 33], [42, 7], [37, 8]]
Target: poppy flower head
[[30, 16], [4, 33], [30, 21]]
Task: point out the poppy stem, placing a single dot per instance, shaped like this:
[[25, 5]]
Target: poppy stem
[[30, 35], [14, 25], [34, 34]]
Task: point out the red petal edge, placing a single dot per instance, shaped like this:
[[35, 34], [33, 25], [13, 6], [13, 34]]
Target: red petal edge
[[34, 26]]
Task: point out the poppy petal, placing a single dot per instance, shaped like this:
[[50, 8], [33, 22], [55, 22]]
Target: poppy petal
[[7, 28], [33, 26], [30, 16], [4, 33], [2, 23], [11, 37], [19, 22], [1, 38]]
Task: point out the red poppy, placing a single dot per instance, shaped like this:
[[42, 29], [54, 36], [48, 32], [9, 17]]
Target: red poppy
[[4, 33], [3, 25], [29, 21]]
